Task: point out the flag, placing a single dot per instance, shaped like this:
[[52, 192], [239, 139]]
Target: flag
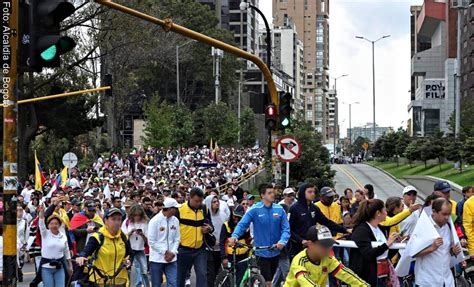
[[52, 190], [210, 150], [62, 179], [214, 152], [40, 179]]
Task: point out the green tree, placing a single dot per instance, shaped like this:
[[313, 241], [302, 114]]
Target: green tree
[[313, 164], [220, 124], [453, 150], [437, 143], [427, 151], [356, 147], [248, 130], [468, 149], [412, 151], [402, 141]]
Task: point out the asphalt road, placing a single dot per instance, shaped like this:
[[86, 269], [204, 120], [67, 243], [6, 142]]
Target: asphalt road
[[356, 176]]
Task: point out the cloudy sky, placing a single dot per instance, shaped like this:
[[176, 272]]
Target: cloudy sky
[[371, 19]]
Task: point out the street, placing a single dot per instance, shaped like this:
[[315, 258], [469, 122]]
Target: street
[[356, 176]]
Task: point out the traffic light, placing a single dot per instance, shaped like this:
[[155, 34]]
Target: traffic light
[[271, 117], [285, 110], [46, 42]]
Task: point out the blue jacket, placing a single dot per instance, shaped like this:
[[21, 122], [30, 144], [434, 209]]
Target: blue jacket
[[270, 226]]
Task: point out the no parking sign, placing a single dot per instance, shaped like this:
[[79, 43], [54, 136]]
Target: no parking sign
[[288, 149]]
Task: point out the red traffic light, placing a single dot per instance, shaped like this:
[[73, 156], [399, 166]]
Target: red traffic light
[[271, 117], [271, 110]]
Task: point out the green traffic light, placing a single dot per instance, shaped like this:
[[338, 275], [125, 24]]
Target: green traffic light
[[49, 53], [285, 122]]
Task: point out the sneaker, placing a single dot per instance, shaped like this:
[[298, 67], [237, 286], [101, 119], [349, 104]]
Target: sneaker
[[188, 282]]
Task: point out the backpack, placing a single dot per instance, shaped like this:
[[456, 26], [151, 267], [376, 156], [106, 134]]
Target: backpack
[[102, 240]]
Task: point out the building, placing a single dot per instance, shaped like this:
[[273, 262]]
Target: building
[[433, 67], [311, 20], [333, 126], [367, 131], [467, 53]]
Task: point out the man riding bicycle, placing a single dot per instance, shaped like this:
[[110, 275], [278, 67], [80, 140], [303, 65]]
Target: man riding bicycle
[[312, 266], [109, 248], [271, 228]]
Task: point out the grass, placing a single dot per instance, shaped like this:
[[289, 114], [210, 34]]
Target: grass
[[447, 171]]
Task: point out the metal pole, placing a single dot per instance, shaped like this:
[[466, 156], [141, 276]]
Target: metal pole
[[350, 125], [177, 74], [334, 120], [287, 174], [458, 78], [75, 93], [238, 106], [10, 143], [373, 88]]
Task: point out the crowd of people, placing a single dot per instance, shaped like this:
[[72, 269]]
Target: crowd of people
[[155, 215]]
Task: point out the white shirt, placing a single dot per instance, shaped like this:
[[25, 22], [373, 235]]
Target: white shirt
[[74, 182], [26, 193], [433, 270], [408, 224], [22, 232], [53, 246], [379, 237], [136, 241], [163, 236], [230, 201]]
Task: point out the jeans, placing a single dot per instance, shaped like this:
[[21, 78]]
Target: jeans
[[140, 269], [187, 258], [213, 266], [157, 270], [282, 271], [53, 277]]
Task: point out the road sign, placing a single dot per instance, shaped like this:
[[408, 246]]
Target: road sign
[[288, 149], [365, 146], [70, 160]]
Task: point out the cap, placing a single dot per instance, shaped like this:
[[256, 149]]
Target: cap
[[171, 203], [129, 203], [288, 190], [442, 186], [327, 191], [239, 211], [90, 205], [88, 194], [112, 211], [250, 196], [321, 234], [76, 202], [409, 188]]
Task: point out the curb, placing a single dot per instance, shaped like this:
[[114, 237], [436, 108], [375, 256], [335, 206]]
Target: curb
[[388, 174]]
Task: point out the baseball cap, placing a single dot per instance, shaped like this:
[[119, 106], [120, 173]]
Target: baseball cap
[[320, 234], [442, 185], [76, 202], [112, 211], [409, 188], [288, 190], [90, 205], [250, 196], [327, 191], [171, 203], [239, 211]]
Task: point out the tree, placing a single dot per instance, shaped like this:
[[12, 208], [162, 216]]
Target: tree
[[356, 147], [468, 148], [248, 130], [167, 125], [437, 143], [220, 124], [413, 152], [402, 141], [427, 151], [313, 164], [453, 150]]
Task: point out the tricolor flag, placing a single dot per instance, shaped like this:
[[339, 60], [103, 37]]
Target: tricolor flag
[[40, 178]]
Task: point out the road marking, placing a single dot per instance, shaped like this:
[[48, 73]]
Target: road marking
[[351, 176]]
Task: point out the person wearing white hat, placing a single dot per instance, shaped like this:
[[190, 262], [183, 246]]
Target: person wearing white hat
[[164, 238], [409, 198], [288, 198]]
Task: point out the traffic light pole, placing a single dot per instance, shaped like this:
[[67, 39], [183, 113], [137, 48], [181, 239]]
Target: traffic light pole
[[10, 15]]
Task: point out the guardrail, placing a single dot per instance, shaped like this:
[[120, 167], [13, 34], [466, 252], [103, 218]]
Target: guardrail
[[352, 244], [241, 178]]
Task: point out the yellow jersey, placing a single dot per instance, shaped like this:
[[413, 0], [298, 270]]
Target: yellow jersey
[[304, 273]]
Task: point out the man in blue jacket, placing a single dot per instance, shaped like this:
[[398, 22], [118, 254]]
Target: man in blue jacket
[[303, 214], [270, 228]]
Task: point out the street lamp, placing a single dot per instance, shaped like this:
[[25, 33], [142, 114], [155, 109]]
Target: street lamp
[[244, 6], [335, 110], [177, 67], [373, 75], [350, 119]]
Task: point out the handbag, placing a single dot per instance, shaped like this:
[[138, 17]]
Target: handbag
[[383, 268]]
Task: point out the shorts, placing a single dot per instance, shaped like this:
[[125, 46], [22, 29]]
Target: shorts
[[268, 266]]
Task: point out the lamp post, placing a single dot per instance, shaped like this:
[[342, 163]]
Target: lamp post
[[373, 76], [177, 68], [335, 123], [350, 120], [244, 6]]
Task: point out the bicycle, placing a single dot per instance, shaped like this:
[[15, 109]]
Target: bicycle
[[104, 279], [252, 277]]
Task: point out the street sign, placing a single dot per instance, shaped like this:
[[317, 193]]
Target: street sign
[[70, 160], [365, 146], [288, 149]]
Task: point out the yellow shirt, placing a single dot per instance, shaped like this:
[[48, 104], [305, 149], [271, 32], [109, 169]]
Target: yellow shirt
[[305, 273]]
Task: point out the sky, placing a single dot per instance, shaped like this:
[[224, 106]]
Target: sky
[[371, 19]]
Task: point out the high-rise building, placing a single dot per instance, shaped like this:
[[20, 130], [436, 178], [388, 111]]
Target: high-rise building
[[467, 53], [333, 125], [311, 19], [367, 131], [433, 69]]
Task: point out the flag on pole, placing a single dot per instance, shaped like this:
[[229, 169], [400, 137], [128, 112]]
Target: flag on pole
[[52, 190], [40, 179], [63, 177], [214, 152]]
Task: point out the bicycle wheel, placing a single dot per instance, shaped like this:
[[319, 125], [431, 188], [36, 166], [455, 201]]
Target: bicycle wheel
[[224, 279], [255, 280]]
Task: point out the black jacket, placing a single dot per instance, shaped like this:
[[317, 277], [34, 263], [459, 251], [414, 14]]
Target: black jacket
[[302, 216], [363, 260]]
